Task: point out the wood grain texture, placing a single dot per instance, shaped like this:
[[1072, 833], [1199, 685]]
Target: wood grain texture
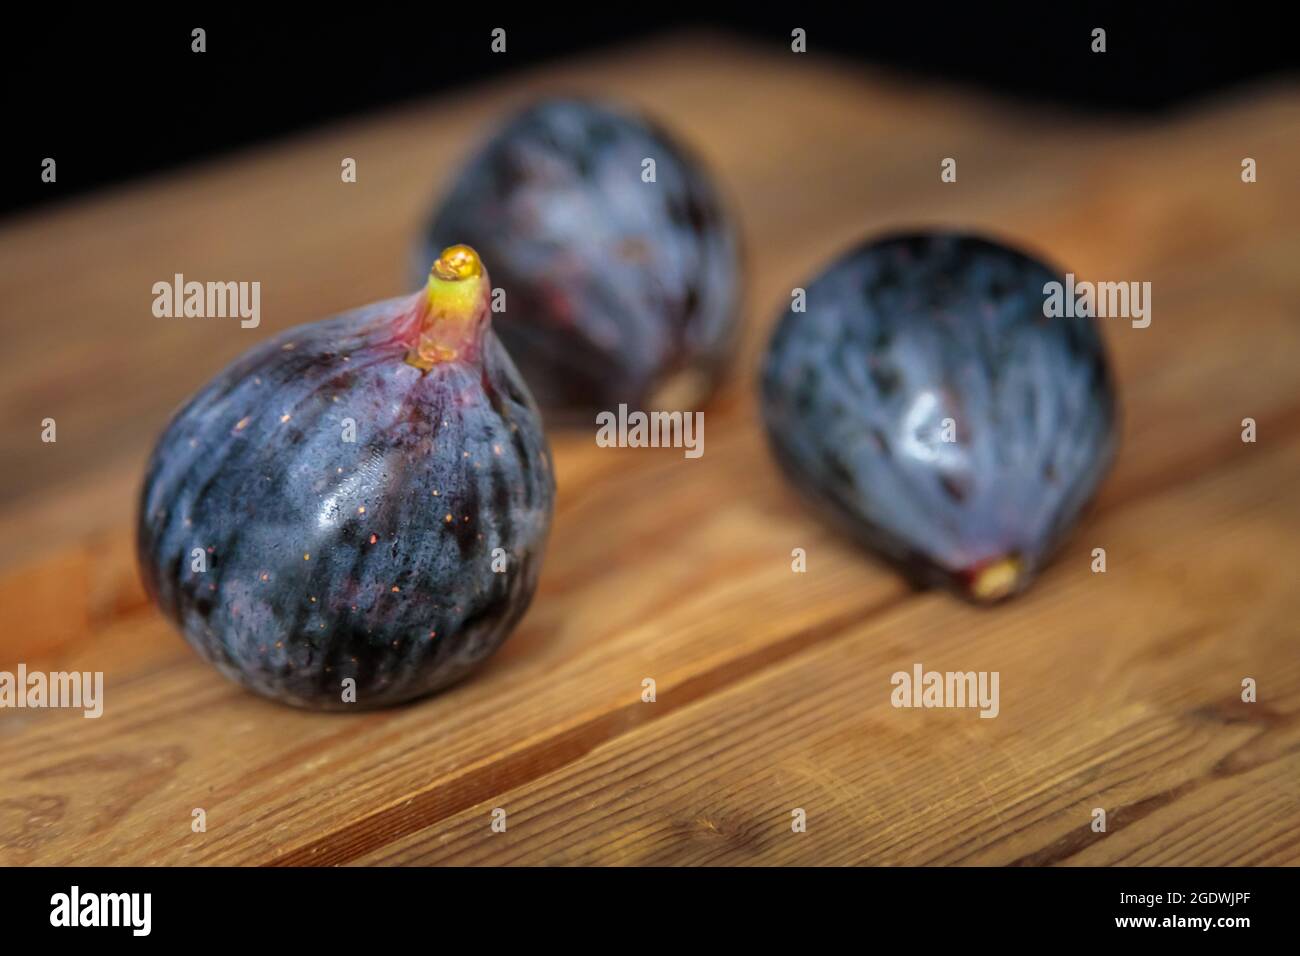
[[1118, 690]]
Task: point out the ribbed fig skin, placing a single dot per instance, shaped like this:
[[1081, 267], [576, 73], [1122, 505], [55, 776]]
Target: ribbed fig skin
[[327, 559], [904, 332], [617, 290]]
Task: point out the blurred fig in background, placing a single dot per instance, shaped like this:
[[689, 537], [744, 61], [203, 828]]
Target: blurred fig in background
[[618, 263], [928, 404]]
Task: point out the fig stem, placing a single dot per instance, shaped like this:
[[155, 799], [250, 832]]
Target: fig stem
[[996, 580], [455, 308]]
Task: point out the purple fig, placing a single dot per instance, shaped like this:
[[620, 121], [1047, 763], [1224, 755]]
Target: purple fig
[[619, 266], [355, 511], [927, 403]]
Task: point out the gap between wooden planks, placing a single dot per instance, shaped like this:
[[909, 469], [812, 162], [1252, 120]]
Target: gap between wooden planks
[[622, 593]]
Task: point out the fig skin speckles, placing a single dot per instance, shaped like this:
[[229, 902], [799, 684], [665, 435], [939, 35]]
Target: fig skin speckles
[[373, 560], [617, 290], [905, 332]]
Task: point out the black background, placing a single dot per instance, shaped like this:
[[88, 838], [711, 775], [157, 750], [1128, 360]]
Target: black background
[[118, 96]]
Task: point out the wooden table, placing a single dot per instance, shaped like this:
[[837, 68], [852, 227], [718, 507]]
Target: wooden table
[[1118, 690]]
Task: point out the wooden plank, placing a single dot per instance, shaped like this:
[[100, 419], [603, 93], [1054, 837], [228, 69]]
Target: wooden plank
[[1129, 702], [658, 566]]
